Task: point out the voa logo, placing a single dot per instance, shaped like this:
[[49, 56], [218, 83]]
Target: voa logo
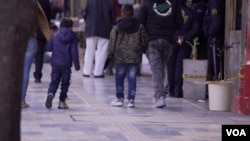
[[236, 132]]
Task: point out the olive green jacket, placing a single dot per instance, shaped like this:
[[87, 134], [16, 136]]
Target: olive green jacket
[[128, 41]]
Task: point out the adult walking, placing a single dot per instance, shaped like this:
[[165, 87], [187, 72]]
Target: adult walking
[[161, 19], [41, 42], [99, 16]]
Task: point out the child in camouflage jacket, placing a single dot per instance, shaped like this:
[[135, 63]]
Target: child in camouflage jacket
[[128, 40]]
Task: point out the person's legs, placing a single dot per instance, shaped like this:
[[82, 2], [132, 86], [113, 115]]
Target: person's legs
[[156, 64], [66, 75], [89, 55], [184, 52], [119, 80], [29, 56], [131, 77], [39, 59], [119, 84], [157, 52], [171, 70], [53, 86], [101, 56]]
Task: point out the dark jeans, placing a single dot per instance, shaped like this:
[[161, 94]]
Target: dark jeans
[[129, 71], [58, 75], [39, 58], [175, 69]]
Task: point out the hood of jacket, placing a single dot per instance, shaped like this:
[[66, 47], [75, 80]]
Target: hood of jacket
[[65, 35], [128, 25]]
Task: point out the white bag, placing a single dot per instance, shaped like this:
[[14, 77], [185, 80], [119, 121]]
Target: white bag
[[126, 2]]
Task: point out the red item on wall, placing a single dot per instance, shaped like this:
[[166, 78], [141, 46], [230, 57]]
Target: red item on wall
[[241, 105], [245, 81]]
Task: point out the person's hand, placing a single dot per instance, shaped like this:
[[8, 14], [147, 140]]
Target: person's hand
[[180, 40]]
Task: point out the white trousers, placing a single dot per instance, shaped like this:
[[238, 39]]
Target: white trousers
[[95, 55]]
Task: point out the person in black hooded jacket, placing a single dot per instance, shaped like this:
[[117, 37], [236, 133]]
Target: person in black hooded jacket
[[161, 19], [128, 40]]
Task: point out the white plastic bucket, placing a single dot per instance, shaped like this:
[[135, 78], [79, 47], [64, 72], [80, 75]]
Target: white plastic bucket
[[220, 96]]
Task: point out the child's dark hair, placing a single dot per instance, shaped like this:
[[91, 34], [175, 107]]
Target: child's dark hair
[[66, 22], [127, 10]]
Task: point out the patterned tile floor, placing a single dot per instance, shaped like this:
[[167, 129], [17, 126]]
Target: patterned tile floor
[[91, 118]]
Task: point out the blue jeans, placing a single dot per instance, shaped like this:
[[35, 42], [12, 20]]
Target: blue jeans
[[28, 59], [129, 71], [58, 75]]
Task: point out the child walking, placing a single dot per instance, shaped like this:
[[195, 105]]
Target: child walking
[[128, 40], [63, 46]]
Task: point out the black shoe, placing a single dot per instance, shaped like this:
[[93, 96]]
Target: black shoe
[[85, 75], [37, 76], [178, 95], [99, 76], [48, 103], [171, 95]]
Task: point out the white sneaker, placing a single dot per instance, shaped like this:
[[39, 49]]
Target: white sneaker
[[131, 104], [160, 103], [117, 103]]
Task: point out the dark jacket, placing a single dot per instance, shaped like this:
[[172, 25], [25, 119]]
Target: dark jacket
[[99, 16], [127, 42], [190, 26], [160, 18], [199, 8], [63, 45], [214, 19], [45, 4]]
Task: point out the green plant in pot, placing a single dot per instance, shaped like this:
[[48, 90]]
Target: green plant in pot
[[194, 47]]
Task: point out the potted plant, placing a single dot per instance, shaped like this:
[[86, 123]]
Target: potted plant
[[194, 47], [194, 70]]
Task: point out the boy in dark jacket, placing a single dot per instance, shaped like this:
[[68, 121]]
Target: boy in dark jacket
[[63, 45], [128, 40]]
